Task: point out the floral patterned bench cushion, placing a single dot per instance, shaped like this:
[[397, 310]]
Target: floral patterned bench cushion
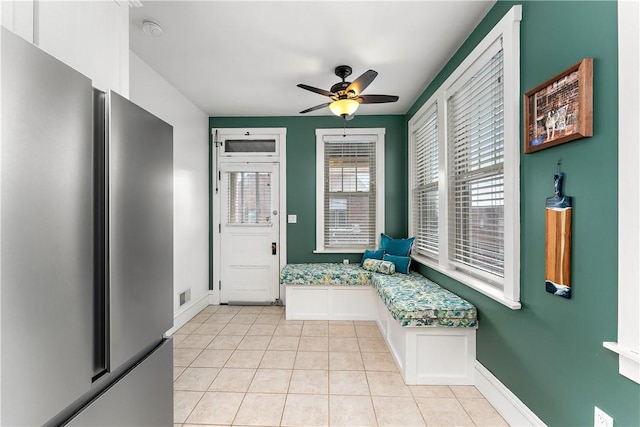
[[324, 274], [414, 300]]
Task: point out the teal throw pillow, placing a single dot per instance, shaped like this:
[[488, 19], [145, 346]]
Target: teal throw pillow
[[402, 263], [371, 254], [379, 266], [397, 247]]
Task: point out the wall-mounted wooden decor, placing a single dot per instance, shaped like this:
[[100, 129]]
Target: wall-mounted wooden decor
[[558, 242], [560, 109]]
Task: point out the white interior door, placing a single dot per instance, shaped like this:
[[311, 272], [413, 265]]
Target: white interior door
[[249, 234]]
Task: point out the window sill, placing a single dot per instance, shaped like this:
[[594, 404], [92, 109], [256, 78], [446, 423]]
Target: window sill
[[629, 360], [472, 282], [338, 251]]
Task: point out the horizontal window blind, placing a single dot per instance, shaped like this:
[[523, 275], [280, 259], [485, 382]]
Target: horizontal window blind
[[249, 198], [349, 194], [425, 184], [475, 170]]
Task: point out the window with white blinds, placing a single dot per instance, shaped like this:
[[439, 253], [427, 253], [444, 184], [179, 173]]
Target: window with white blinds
[[475, 169], [424, 190], [349, 194], [348, 190], [464, 153]]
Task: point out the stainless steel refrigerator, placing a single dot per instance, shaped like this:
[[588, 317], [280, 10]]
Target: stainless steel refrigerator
[[86, 250]]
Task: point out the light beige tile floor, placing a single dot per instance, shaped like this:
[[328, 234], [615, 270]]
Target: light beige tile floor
[[249, 366]]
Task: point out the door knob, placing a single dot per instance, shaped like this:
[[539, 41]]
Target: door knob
[[274, 248]]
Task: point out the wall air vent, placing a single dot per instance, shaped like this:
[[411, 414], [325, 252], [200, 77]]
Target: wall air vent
[[185, 297]]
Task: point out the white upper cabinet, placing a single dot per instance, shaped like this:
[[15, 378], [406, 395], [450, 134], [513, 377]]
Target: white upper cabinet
[[90, 36]]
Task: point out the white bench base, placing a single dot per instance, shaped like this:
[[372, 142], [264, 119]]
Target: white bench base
[[429, 355], [425, 355], [310, 302]]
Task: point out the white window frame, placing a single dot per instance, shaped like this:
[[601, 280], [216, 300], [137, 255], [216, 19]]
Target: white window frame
[[415, 126], [368, 134], [507, 290], [627, 345]]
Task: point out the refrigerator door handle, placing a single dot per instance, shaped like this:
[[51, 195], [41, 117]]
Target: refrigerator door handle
[[101, 234]]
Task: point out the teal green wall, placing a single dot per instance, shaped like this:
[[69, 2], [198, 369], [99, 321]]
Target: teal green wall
[[301, 175], [550, 352]]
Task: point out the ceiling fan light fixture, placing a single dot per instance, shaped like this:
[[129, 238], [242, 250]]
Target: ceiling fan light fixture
[[347, 96], [344, 107]]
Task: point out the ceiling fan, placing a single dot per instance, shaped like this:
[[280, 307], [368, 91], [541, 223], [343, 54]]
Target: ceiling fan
[[347, 96]]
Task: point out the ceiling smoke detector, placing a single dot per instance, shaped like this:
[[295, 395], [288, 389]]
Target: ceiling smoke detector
[[151, 28]]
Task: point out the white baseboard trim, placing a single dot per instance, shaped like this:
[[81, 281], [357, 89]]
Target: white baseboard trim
[[506, 403], [188, 313]]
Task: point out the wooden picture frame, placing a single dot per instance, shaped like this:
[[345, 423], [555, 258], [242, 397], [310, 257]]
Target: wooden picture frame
[[561, 109]]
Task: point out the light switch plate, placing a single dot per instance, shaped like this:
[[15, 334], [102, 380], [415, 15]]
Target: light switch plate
[[292, 219]]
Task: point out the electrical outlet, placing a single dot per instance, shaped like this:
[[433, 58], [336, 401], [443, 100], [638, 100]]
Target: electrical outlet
[[345, 261], [601, 419], [292, 219]]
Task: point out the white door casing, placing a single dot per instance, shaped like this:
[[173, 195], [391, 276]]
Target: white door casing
[[249, 234], [228, 273]]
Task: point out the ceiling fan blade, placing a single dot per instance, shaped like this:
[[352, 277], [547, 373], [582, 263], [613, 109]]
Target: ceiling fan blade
[[377, 99], [362, 82], [317, 107], [316, 90]]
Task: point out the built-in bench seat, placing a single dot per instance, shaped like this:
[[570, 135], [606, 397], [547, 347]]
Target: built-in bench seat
[[414, 300], [431, 331], [325, 291]]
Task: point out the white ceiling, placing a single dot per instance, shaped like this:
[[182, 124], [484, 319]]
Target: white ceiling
[[244, 58]]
